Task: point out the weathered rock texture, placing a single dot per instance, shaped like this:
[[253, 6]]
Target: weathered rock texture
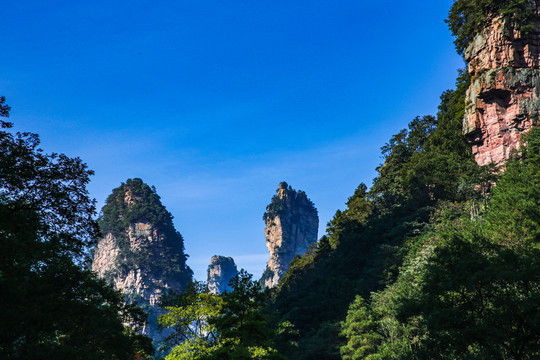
[[503, 100], [220, 271], [292, 225], [141, 253]]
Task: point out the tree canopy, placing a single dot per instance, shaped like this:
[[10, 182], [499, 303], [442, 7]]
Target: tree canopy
[[471, 290], [467, 18], [227, 326]]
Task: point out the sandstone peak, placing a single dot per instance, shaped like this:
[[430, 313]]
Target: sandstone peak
[[503, 100], [141, 252], [291, 227]]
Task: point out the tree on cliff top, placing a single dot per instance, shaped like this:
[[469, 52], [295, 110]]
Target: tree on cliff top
[[134, 201], [277, 205], [50, 306], [467, 18]]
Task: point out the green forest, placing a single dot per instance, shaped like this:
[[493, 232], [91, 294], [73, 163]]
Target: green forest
[[438, 259]]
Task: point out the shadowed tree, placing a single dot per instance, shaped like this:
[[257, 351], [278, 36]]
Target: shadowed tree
[[51, 307]]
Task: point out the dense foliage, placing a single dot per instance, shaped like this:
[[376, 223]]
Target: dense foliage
[[471, 288], [51, 306], [468, 17], [227, 326], [135, 201]]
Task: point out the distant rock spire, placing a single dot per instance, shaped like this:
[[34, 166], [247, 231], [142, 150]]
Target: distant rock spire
[[292, 225], [220, 271]]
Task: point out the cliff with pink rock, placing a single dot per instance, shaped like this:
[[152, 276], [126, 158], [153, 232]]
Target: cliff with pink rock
[[292, 224], [503, 100]]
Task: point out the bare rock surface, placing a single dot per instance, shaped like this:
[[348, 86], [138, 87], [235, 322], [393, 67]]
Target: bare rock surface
[[220, 271], [292, 224], [503, 100]]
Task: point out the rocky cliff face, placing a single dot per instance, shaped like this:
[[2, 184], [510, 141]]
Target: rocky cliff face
[[220, 271], [140, 253], [503, 100], [292, 225]]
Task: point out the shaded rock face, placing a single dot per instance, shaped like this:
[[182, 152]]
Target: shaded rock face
[[140, 253], [503, 100], [292, 225], [220, 271]]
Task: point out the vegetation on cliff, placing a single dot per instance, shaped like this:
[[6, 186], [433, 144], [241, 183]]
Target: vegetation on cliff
[[279, 203], [136, 202], [52, 306], [468, 18], [431, 262], [208, 326]]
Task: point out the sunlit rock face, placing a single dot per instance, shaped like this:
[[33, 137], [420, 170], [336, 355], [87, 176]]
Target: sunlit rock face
[[220, 271], [141, 253], [292, 224], [503, 101]]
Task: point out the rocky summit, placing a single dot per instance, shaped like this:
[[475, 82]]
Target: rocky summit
[[503, 100], [140, 252], [292, 224], [220, 271]]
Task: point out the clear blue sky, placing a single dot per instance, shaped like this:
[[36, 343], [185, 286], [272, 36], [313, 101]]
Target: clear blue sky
[[215, 102]]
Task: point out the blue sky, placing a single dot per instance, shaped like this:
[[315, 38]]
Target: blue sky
[[216, 102]]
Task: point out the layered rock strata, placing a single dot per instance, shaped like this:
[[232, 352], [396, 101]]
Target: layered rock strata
[[292, 225], [220, 271], [140, 252], [503, 100]]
